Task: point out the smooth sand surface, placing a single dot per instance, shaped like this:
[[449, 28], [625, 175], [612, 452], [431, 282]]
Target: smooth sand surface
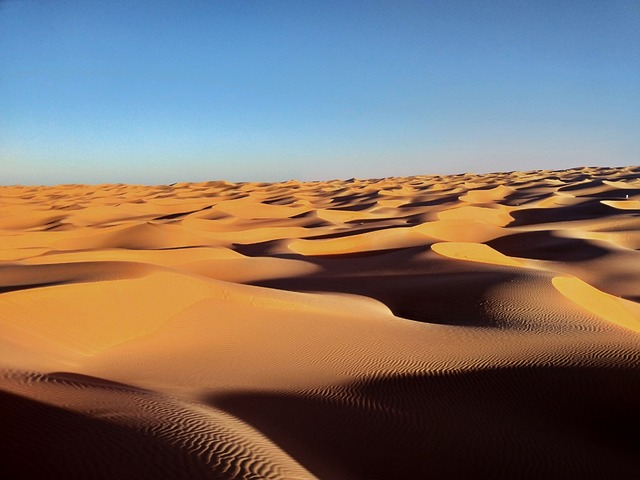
[[464, 326]]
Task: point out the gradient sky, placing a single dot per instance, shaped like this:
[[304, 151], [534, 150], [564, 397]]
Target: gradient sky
[[166, 91]]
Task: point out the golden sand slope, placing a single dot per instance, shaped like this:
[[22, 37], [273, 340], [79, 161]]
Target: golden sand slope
[[466, 326]]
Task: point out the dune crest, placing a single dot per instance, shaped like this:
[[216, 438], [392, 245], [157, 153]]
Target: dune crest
[[474, 252], [614, 309]]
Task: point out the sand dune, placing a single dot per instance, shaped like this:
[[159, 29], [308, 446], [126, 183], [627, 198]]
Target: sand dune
[[463, 326]]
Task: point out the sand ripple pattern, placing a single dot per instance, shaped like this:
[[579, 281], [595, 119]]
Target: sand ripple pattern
[[175, 439]]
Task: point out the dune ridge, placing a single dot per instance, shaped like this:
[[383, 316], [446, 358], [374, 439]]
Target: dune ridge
[[461, 326]]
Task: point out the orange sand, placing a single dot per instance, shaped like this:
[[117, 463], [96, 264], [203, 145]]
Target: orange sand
[[464, 326]]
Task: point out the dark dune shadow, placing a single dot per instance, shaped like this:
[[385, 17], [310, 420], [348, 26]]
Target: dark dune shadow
[[523, 196], [260, 249], [588, 210], [416, 296], [607, 191], [570, 176], [356, 207], [174, 216], [544, 245], [273, 248], [351, 232], [282, 201], [28, 286], [22, 277], [438, 200], [615, 194], [421, 290], [424, 289], [525, 423], [352, 195], [576, 187], [41, 441], [333, 262]]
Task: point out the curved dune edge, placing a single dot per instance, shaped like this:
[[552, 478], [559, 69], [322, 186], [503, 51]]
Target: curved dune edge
[[87, 318], [11, 255], [472, 231], [486, 196], [622, 204], [493, 216], [613, 309], [364, 242], [625, 185], [474, 252], [167, 258], [252, 208], [343, 216]]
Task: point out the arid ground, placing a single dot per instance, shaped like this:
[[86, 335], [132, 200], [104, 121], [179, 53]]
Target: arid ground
[[463, 326]]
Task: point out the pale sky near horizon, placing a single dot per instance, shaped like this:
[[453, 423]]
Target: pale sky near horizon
[[168, 91]]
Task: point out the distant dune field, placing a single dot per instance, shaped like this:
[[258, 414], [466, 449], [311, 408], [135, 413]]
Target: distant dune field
[[427, 327]]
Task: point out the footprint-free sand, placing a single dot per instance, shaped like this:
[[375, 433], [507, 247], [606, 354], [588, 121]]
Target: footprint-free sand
[[463, 326]]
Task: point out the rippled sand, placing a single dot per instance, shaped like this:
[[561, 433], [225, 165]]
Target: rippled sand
[[466, 326]]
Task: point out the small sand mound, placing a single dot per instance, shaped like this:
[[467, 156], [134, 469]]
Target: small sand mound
[[460, 230], [487, 196], [474, 252], [623, 204], [498, 217]]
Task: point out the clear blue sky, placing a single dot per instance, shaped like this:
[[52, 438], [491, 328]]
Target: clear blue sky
[[166, 91]]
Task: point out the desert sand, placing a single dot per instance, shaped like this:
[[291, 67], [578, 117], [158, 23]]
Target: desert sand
[[463, 326]]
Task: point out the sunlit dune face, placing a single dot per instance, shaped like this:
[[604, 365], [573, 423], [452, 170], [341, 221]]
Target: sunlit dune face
[[617, 310], [474, 252]]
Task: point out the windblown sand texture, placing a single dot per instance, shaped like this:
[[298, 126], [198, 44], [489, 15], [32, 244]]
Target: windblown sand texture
[[465, 326]]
